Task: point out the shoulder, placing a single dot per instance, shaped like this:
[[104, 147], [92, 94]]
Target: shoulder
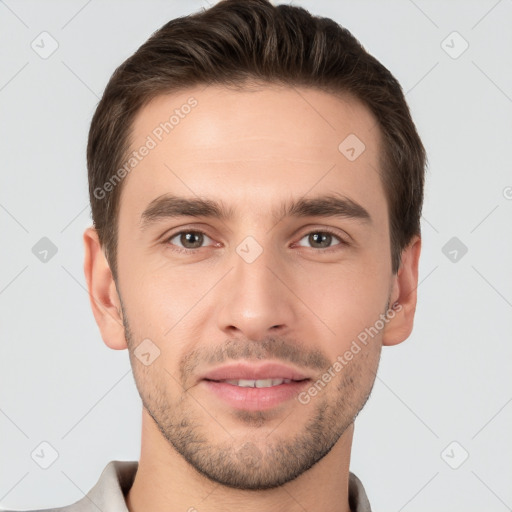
[[106, 495], [358, 500]]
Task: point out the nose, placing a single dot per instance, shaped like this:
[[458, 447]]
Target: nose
[[256, 300]]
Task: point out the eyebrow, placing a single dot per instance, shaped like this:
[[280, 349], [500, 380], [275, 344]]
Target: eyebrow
[[330, 205]]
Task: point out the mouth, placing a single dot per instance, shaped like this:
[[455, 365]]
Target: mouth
[[255, 387], [244, 373], [259, 383]]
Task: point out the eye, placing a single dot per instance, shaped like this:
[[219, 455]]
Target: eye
[[187, 240], [321, 239], [191, 240]]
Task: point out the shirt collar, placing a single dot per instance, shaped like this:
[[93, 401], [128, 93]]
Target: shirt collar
[[116, 479]]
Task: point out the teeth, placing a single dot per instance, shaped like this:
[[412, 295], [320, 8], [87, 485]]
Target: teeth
[[260, 383]]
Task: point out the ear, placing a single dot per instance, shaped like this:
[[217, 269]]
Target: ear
[[403, 296], [105, 303]]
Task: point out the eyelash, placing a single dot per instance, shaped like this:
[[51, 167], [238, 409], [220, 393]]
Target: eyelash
[[184, 250]]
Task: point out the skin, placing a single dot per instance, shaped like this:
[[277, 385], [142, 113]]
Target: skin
[[251, 150]]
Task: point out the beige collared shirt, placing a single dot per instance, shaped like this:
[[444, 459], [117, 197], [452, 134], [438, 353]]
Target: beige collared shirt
[[108, 495]]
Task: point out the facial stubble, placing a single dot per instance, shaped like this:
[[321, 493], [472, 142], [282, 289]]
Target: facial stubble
[[263, 458]]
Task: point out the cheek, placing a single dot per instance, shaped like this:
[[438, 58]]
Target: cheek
[[159, 295], [347, 298]]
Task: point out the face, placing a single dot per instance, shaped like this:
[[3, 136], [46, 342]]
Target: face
[[253, 251]]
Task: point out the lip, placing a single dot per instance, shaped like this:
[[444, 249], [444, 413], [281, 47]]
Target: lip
[[251, 371], [254, 399]]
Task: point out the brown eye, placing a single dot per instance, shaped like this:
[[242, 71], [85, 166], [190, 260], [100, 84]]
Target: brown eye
[[321, 240], [188, 239]]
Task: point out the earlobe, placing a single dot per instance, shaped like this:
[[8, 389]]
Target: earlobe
[[404, 294], [103, 295]]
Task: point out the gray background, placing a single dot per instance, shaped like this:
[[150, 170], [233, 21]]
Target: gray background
[[450, 382]]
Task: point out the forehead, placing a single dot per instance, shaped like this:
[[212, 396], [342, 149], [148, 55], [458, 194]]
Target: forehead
[[253, 146]]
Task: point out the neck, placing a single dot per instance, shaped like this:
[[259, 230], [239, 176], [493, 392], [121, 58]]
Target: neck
[[166, 482]]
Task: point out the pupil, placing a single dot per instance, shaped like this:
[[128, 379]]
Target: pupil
[[188, 238], [320, 238]]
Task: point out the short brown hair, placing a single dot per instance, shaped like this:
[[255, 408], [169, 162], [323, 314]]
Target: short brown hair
[[239, 41]]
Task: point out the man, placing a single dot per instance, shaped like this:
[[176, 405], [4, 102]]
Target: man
[[256, 184]]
